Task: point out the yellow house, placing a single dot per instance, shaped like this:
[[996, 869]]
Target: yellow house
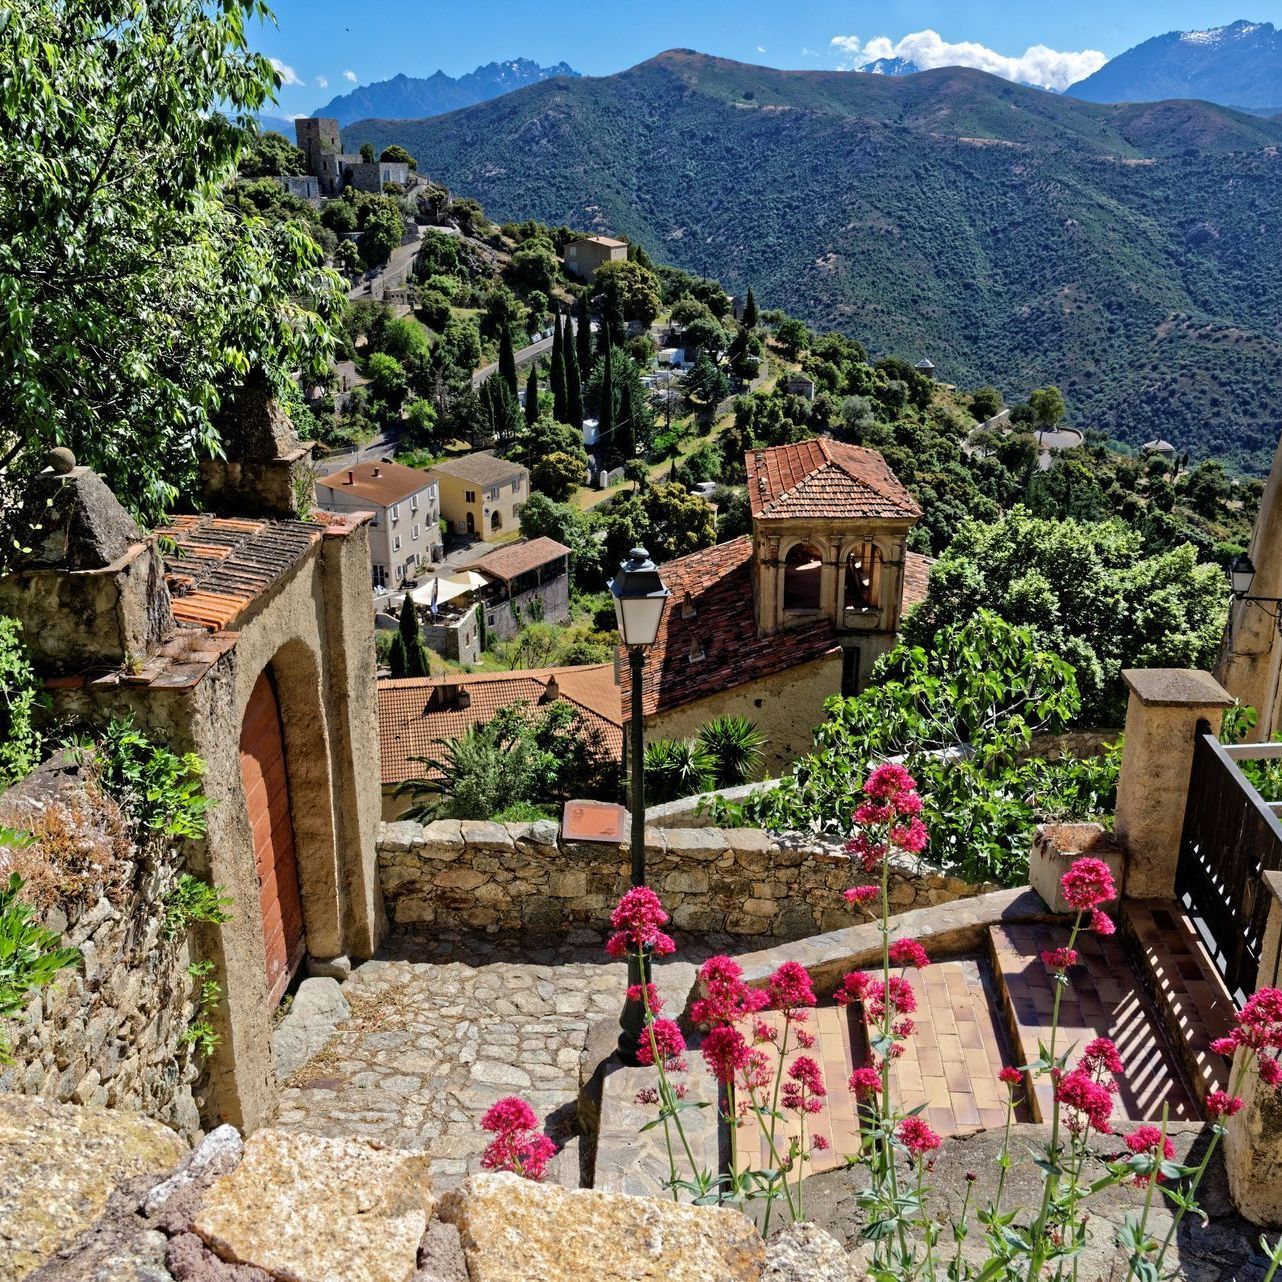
[[482, 495], [583, 256]]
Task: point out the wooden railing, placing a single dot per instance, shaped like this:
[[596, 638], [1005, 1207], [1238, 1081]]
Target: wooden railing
[[1232, 835]]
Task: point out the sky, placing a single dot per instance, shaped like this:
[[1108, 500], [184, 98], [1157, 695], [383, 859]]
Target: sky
[[325, 47]]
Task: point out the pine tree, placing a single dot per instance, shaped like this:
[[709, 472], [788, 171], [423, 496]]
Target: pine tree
[[532, 393], [583, 336], [606, 415], [507, 360], [573, 382], [557, 374], [750, 311], [408, 656]]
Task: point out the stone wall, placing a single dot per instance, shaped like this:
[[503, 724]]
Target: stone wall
[[108, 1031], [473, 875]]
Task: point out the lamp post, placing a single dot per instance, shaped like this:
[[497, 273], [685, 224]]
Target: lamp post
[[639, 600], [1242, 576]]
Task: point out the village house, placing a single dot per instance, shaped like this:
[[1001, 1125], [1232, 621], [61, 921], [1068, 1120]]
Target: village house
[[417, 715], [771, 624], [405, 532], [582, 257], [335, 169], [529, 582], [482, 494]]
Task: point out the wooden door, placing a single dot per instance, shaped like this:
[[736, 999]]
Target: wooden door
[[266, 783]]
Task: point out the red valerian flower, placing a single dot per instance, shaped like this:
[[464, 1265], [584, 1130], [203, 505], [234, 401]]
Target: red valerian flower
[[758, 1073], [819, 1144], [1269, 1069], [888, 782], [917, 1137], [805, 1039], [861, 895], [909, 952], [636, 920], [903, 1028], [895, 995], [874, 812], [1102, 923], [511, 1113], [1059, 958], [1259, 1022], [651, 997], [1087, 884], [804, 1090], [1225, 1046], [1101, 1056], [1148, 1139], [1088, 1102], [669, 1042], [865, 1082], [853, 987], [870, 853], [1222, 1104], [725, 1052], [910, 837], [726, 998], [518, 1145], [790, 987], [1011, 1076]]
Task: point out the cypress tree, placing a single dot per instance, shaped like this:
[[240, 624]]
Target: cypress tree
[[557, 374], [507, 361], [532, 393], [750, 311], [624, 440], [607, 416], [408, 656], [583, 319], [573, 382]]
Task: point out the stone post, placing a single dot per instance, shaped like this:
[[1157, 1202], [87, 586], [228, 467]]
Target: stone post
[[1162, 717], [1253, 1139]]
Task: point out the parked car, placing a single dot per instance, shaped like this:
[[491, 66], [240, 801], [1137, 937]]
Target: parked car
[[704, 489]]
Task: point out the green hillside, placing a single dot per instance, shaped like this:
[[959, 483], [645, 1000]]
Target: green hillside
[[1128, 253]]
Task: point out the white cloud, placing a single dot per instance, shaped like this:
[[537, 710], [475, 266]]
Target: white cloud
[[761, 48], [322, 83], [287, 74], [1037, 65], [350, 75]]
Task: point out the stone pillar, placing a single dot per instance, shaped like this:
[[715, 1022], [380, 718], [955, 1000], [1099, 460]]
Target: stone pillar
[[1253, 1139], [1162, 717]]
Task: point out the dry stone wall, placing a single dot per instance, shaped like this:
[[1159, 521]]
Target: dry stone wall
[[477, 876], [108, 1031]]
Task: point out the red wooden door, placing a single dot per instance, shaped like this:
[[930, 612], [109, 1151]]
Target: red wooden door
[[262, 772]]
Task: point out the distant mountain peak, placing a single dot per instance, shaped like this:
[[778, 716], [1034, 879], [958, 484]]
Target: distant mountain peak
[[891, 67], [406, 97]]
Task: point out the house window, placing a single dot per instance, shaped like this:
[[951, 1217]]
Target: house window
[[413, 502], [802, 570], [496, 520], [380, 576], [469, 496], [414, 533], [396, 543], [863, 578], [396, 512]]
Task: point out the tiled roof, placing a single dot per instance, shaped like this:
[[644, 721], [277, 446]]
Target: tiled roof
[[708, 639], [220, 566], [416, 713], [916, 579], [484, 469], [825, 478], [608, 241], [377, 482], [508, 563]]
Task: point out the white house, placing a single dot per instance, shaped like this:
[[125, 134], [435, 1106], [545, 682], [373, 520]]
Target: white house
[[406, 530]]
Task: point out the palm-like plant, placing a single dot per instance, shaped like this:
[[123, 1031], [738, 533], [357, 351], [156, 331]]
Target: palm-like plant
[[735, 744], [473, 777], [676, 768]]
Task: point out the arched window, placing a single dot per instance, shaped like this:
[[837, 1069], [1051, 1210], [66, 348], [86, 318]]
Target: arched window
[[801, 573], [863, 578], [496, 520]]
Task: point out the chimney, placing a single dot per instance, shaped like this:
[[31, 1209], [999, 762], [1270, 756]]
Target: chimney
[[351, 478], [551, 692], [377, 472]]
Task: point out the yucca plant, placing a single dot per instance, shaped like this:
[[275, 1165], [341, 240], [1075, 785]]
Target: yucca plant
[[735, 745], [676, 768]]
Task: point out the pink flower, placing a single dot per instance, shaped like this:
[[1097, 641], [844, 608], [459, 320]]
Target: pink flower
[[636, 920], [518, 1145], [758, 1073], [865, 1082], [1149, 1140], [1225, 1046], [1011, 1076], [726, 998], [1101, 922], [1089, 1103], [910, 837], [805, 1071], [725, 1052], [917, 1137], [903, 1028], [1087, 884], [1269, 1069], [1260, 1020], [1100, 1055], [874, 812], [853, 987], [1222, 1104], [888, 782], [1059, 958], [805, 1039], [870, 853], [511, 1113], [804, 1090], [895, 996], [764, 1032], [860, 895], [790, 987], [820, 1144], [651, 997], [669, 1042], [909, 952]]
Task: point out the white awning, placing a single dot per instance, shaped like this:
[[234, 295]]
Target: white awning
[[450, 586]]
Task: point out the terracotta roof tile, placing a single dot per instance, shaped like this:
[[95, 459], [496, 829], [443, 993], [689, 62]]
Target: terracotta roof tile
[[825, 478], [220, 566], [415, 714], [508, 563], [482, 468], [916, 579], [708, 639], [377, 482]]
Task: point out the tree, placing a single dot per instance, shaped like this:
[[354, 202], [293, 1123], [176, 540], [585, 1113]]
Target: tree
[[408, 657], [559, 409], [629, 289], [546, 436], [507, 361], [532, 393], [543, 517], [792, 336], [367, 152], [271, 154], [583, 337], [573, 381], [133, 297], [557, 474], [607, 407], [387, 379], [1047, 404], [706, 385], [500, 413], [750, 311], [736, 746], [676, 768], [347, 259], [622, 445], [396, 154], [384, 229], [985, 403], [535, 266]]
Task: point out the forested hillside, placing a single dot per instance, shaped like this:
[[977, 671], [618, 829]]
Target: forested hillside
[[1127, 253]]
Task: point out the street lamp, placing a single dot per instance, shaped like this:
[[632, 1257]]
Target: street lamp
[[639, 599], [1242, 576]]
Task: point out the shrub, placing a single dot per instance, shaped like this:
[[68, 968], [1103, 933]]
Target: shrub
[[20, 696], [190, 901], [676, 768], [735, 745]]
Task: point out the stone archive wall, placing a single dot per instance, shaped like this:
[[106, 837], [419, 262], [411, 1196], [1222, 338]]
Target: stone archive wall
[[108, 1031], [472, 875]]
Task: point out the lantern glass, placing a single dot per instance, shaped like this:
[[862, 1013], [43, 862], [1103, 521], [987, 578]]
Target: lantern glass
[[639, 599], [1242, 574]]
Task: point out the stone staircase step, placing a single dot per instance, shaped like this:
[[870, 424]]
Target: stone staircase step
[[1104, 998], [1190, 996]]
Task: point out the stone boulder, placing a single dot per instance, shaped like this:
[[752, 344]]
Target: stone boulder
[[60, 1164], [318, 1008], [313, 1209], [513, 1230]]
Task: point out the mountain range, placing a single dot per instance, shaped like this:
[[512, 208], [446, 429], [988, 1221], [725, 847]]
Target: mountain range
[[1127, 253], [1239, 65], [409, 97]]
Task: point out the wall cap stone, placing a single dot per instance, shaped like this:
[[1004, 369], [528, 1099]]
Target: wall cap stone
[[1176, 688]]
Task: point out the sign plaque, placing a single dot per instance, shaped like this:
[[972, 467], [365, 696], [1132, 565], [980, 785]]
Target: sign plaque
[[593, 821]]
